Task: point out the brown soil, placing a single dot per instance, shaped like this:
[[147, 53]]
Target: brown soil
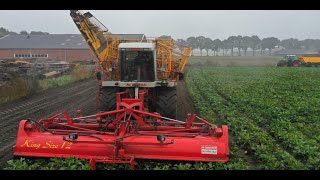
[[78, 95]]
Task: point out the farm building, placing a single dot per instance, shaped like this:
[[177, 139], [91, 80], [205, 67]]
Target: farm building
[[60, 47]]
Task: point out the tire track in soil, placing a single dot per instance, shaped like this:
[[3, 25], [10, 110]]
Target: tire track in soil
[[6, 122], [78, 95], [23, 102], [48, 97]]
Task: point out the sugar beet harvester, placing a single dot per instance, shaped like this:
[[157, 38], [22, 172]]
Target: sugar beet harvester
[[138, 104]]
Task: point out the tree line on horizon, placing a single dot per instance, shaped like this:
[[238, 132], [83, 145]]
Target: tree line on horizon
[[240, 43], [4, 32], [243, 43]]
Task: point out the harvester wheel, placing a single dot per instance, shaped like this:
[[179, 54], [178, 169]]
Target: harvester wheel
[[108, 98], [166, 103]]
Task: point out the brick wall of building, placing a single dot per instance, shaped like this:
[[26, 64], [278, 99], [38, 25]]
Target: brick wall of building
[[53, 54]]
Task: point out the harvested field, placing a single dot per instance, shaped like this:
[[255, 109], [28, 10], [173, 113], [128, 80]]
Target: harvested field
[[78, 95], [234, 60]]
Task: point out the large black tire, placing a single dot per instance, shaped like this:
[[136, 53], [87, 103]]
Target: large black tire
[[166, 103], [108, 98]]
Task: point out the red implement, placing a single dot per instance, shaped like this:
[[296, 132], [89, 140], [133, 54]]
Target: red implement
[[122, 135]]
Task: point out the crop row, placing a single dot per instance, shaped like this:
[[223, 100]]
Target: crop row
[[275, 120], [247, 123]]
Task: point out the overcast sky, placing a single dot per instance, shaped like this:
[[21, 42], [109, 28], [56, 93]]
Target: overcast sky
[[179, 24]]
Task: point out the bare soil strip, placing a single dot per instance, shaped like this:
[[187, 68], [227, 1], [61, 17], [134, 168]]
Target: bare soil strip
[[78, 95]]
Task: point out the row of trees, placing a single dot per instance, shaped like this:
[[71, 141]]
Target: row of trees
[[239, 42], [4, 32], [245, 42]]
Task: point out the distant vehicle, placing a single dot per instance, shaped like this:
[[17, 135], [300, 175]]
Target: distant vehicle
[[301, 60], [289, 61]]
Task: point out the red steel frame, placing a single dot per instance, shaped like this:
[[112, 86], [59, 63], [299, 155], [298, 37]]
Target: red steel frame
[[122, 135]]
